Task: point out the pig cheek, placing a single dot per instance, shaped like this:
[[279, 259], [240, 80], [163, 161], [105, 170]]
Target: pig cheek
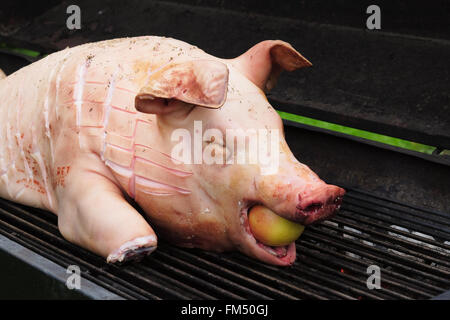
[[242, 180], [208, 232], [176, 221], [168, 214], [211, 232], [223, 185]]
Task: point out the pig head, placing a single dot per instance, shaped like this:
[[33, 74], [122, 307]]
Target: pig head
[[203, 201]]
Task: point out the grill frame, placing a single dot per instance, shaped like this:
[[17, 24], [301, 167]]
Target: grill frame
[[178, 273], [320, 249]]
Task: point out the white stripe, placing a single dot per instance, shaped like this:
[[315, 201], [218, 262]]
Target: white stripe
[[46, 114], [38, 157], [6, 181], [19, 140], [58, 81], [10, 148], [107, 111], [18, 194], [78, 97], [120, 170]]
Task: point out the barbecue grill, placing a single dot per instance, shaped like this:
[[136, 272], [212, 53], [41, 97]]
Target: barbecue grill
[[395, 215]]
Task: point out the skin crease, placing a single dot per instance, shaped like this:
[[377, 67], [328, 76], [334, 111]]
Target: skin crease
[[97, 136]]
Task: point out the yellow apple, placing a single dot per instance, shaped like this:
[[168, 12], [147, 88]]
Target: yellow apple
[[271, 229]]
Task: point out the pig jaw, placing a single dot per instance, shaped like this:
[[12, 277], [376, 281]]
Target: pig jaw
[[191, 221]]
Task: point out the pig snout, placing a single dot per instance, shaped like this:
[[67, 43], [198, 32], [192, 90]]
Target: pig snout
[[300, 196], [307, 205], [317, 204]]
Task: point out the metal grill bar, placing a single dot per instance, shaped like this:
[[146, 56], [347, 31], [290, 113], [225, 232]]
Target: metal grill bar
[[439, 219], [244, 284], [368, 227], [63, 248], [369, 252], [349, 275], [332, 258], [267, 278], [397, 247], [402, 220], [394, 204], [297, 280], [357, 266], [174, 283], [19, 236], [202, 281]]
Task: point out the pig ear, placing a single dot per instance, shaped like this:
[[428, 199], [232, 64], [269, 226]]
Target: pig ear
[[263, 63], [198, 82]]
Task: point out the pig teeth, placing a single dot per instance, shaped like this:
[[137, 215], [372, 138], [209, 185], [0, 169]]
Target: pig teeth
[[271, 251]]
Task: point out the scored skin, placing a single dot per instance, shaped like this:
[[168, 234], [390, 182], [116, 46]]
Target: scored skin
[[80, 115], [80, 143]]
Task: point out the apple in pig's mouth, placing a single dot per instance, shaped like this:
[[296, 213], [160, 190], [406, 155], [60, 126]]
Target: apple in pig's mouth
[[278, 234], [272, 237]]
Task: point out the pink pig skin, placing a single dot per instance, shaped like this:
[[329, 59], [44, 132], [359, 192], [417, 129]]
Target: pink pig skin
[[87, 128]]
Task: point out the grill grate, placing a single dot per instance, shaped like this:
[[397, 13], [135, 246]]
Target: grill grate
[[410, 245]]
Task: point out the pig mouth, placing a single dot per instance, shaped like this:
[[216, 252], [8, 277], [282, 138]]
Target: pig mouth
[[306, 214], [281, 255]]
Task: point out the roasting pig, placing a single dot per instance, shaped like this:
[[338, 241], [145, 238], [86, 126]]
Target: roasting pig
[[87, 132]]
